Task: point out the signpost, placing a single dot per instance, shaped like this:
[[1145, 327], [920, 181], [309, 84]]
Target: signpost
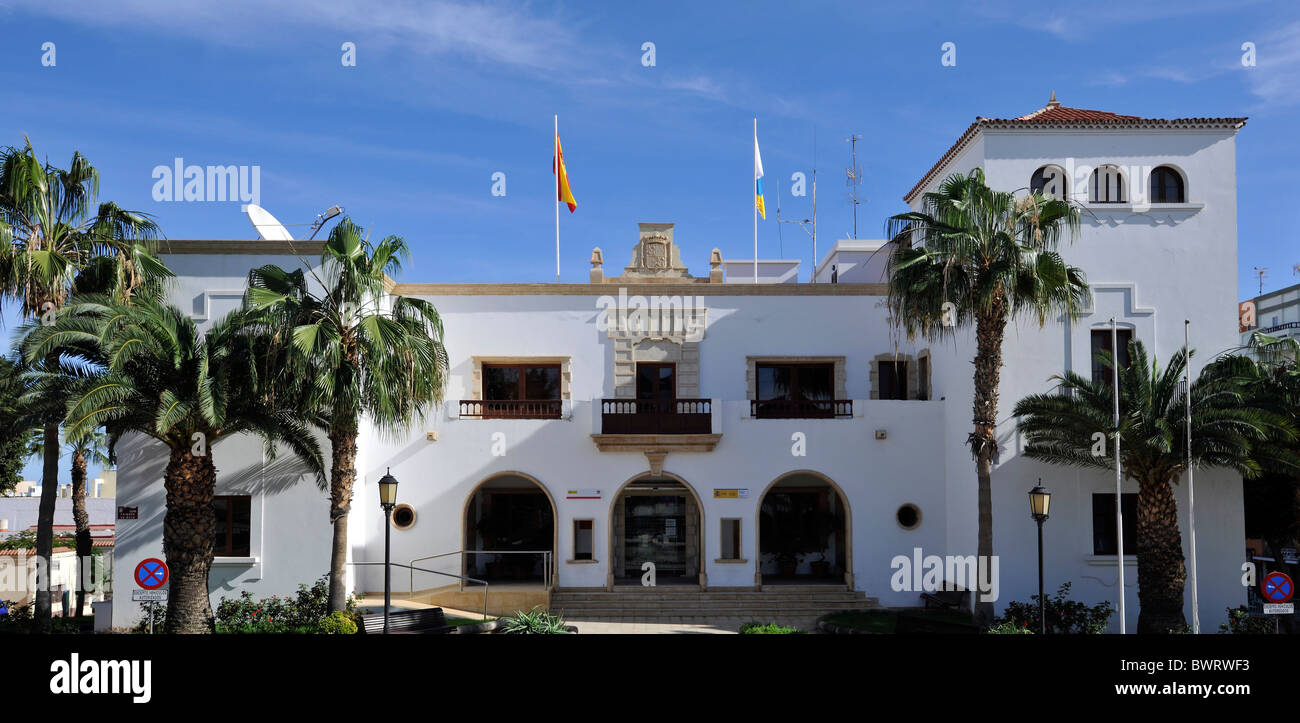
[[730, 494], [583, 494], [151, 574]]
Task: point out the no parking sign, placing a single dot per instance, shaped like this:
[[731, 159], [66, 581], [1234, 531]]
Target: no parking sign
[[1277, 589], [151, 573]]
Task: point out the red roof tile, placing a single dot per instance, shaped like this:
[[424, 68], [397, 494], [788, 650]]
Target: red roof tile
[[1055, 115]]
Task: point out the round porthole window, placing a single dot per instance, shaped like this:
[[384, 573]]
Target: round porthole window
[[404, 517], [909, 517]]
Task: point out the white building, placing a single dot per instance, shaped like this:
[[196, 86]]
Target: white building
[[717, 426], [1276, 313]]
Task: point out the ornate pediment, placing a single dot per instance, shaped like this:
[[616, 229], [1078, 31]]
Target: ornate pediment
[[655, 256]]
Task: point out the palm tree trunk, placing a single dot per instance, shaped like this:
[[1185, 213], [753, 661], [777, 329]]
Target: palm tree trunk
[[82, 520], [990, 326], [1161, 573], [45, 527], [343, 474], [188, 530]]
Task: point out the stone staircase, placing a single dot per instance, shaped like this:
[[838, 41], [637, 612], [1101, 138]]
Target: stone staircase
[[685, 604]]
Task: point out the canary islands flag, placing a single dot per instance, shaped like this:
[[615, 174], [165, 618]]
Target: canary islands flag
[[758, 180], [563, 192]]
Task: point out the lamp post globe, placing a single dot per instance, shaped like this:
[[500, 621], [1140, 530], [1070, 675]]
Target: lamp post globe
[[387, 500], [1040, 501]]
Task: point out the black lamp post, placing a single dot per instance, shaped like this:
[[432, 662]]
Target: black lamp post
[[387, 500], [1040, 498]]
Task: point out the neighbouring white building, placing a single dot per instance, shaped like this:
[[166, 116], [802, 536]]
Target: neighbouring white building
[[749, 436], [1276, 313]]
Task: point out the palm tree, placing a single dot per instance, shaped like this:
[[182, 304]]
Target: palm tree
[[976, 256], [157, 375], [1226, 428], [48, 237], [348, 351]]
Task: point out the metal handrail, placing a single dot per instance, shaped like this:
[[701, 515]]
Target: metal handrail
[[412, 568], [547, 577]]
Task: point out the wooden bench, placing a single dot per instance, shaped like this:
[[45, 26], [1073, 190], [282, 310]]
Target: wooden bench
[[956, 598], [429, 621]]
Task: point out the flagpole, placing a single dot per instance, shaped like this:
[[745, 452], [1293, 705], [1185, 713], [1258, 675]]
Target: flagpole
[[1191, 496], [555, 152], [754, 185], [1119, 489]]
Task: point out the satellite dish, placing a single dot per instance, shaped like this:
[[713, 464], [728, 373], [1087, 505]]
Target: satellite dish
[[267, 227]]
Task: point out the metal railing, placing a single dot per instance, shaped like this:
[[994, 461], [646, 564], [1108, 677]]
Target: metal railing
[[410, 590], [511, 408], [547, 568], [800, 408], [656, 416]]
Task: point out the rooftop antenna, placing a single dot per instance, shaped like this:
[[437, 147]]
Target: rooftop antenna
[[854, 178], [322, 217], [1261, 272], [809, 226]]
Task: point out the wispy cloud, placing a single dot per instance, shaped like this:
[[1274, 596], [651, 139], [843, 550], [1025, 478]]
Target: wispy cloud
[[491, 33], [1275, 79]]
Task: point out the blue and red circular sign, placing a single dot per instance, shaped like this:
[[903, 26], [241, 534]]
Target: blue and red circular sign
[[1277, 587], [151, 573]]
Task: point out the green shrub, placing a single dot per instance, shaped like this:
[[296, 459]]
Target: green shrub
[[1063, 615], [757, 628], [1009, 628], [535, 622], [304, 612], [337, 623], [159, 617], [1241, 622]]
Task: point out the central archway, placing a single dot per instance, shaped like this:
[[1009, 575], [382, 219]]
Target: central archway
[[805, 532], [509, 519], [659, 519]]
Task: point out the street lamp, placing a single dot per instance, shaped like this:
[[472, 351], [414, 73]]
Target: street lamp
[[388, 500], [1040, 498]]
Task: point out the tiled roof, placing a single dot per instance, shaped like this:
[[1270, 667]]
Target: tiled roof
[[32, 552], [1055, 115]]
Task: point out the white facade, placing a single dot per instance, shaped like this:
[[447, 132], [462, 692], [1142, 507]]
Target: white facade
[[1150, 266]]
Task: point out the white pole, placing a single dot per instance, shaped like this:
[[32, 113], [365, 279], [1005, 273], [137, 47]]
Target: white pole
[[754, 186], [1119, 477], [1191, 495], [556, 154]]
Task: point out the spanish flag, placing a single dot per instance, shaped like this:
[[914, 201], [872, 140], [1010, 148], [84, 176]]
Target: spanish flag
[[563, 192], [758, 180]]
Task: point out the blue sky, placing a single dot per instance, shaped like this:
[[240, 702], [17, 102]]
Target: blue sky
[[445, 94]]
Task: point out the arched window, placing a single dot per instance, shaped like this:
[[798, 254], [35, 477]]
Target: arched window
[[1108, 185], [1167, 186], [1049, 181]]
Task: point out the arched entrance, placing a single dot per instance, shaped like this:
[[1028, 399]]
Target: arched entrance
[[509, 522], [656, 519], [804, 532]]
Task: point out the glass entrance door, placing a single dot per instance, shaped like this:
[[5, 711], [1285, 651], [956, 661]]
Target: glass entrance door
[[655, 531]]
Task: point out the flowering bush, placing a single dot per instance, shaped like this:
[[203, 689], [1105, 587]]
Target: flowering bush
[[305, 612], [1241, 622], [1010, 628], [1063, 615]]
